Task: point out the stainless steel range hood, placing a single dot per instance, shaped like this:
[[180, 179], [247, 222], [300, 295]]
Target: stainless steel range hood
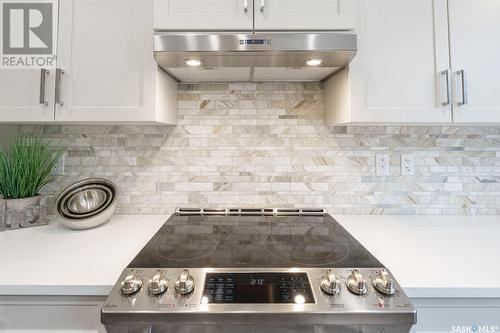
[[276, 56]]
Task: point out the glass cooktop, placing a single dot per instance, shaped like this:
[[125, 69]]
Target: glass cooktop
[[253, 241]]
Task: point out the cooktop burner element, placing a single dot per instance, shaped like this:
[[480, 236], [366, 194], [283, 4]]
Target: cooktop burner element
[[247, 270], [306, 250], [187, 245]]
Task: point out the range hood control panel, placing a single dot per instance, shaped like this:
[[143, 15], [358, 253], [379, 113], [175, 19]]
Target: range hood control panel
[[257, 42]]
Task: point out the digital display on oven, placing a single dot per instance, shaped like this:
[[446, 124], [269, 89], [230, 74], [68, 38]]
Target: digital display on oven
[[254, 42], [257, 288]]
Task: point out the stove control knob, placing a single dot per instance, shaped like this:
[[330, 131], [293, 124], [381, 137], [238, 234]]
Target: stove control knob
[[383, 283], [131, 284], [184, 284], [158, 283], [356, 284], [329, 283]]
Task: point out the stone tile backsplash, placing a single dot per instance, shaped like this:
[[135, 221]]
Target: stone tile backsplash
[[265, 145]]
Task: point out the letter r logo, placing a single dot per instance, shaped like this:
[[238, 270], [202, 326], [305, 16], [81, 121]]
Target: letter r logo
[[27, 28]]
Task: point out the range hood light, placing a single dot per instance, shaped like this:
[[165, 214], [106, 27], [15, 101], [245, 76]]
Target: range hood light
[[314, 62], [193, 62]]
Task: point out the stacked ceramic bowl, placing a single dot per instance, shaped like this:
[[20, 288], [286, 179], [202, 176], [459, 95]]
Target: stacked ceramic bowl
[[87, 203]]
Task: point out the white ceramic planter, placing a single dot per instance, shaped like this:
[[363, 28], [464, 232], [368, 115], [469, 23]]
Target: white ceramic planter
[[22, 213]]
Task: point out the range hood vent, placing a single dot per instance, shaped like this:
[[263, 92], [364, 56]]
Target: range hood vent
[[226, 57]]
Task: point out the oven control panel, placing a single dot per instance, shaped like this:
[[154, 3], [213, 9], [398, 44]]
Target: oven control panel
[[160, 291], [265, 288]]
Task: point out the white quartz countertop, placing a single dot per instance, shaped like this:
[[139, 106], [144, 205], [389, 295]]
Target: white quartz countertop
[[434, 256], [431, 256], [54, 260]]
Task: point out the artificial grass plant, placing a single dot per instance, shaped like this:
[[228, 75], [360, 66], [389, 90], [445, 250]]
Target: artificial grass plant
[[25, 167]]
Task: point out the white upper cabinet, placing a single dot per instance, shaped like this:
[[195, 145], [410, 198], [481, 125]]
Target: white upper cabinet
[[25, 97], [304, 15], [413, 66], [107, 70], [239, 15], [475, 54], [27, 94], [191, 15], [399, 73]]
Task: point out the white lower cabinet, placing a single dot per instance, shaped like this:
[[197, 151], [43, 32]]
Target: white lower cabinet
[[51, 314], [457, 315]]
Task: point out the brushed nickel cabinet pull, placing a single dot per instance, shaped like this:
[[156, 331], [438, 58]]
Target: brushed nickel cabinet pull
[[463, 86], [59, 74], [43, 80], [446, 74]]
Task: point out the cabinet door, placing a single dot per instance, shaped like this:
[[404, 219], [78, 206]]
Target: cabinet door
[[475, 49], [203, 15], [456, 315], [20, 96], [398, 74], [56, 314], [105, 50], [304, 15]]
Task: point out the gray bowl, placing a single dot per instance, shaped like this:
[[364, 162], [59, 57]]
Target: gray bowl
[[87, 203]]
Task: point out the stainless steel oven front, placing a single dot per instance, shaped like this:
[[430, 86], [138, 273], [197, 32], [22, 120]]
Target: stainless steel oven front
[[259, 300]]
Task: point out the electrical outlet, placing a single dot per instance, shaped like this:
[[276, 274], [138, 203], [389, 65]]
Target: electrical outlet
[[407, 165], [382, 165], [58, 169]]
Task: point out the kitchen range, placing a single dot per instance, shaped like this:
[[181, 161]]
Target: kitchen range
[[256, 270]]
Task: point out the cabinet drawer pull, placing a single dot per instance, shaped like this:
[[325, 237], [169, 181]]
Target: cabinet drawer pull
[[59, 74], [245, 6], [463, 87], [43, 80], [262, 5], [446, 74]]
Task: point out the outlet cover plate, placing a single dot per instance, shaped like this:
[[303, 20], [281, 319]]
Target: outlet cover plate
[[382, 165], [407, 165]]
